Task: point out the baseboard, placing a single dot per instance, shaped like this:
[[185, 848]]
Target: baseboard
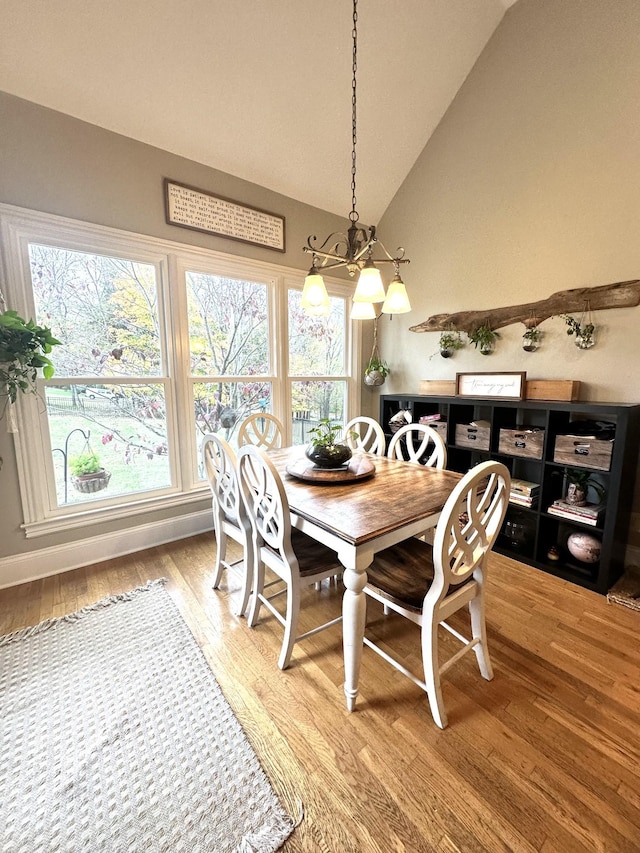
[[33, 565]]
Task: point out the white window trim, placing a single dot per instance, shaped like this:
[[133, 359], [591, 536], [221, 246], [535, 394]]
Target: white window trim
[[19, 226]]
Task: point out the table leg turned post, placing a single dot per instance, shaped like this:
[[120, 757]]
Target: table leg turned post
[[354, 609]]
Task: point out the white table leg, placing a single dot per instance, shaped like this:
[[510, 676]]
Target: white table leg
[[354, 609]]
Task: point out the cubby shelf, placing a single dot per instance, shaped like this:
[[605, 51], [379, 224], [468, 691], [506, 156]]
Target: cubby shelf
[[529, 532]]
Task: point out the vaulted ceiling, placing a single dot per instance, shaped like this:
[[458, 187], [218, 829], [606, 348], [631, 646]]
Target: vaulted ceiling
[[260, 89]]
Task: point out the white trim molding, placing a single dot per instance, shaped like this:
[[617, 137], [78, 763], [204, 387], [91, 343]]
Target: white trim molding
[[42, 563]]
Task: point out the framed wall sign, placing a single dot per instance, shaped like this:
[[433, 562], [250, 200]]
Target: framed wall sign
[[200, 210], [508, 386]]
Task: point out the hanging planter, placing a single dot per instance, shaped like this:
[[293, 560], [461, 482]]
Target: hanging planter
[[449, 342], [87, 475], [583, 329], [531, 339], [484, 339], [89, 483], [376, 370]]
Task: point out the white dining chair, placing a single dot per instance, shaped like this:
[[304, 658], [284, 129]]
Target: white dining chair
[[428, 584], [297, 560], [366, 435], [263, 430], [230, 517], [418, 443]]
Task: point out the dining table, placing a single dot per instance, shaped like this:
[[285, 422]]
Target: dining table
[[357, 511]]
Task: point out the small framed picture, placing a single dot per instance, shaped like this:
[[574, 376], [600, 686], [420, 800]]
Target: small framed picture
[[507, 386]]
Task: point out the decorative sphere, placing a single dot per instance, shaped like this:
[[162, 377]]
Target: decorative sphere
[[584, 547]]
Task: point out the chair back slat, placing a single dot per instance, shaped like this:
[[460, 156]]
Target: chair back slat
[[418, 443], [469, 525], [219, 464], [263, 430], [366, 435], [266, 502]]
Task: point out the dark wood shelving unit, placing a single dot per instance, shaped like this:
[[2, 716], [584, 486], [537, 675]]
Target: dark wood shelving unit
[[528, 533]]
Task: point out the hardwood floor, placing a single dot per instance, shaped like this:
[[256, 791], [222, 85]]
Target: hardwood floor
[[546, 757]]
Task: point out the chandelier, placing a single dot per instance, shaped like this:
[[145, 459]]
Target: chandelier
[[354, 249]]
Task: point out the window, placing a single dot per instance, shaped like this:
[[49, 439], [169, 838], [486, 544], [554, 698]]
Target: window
[[161, 343], [317, 365], [229, 351], [110, 415]]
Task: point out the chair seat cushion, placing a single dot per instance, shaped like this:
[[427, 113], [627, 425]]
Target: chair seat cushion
[[403, 573], [313, 557]]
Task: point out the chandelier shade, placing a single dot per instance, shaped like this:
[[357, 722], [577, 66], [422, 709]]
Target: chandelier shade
[[370, 287], [397, 300], [363, 311], [315, 299], [356, 247]]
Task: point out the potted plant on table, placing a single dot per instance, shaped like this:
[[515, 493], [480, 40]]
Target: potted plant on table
[[325, 450], [87, 474]]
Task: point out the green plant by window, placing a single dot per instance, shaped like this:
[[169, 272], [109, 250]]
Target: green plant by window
[[24, 349], [376, 364], [326, 433], [85, 463]]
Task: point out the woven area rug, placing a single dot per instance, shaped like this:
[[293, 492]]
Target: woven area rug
[[626, 591], [115, 736]]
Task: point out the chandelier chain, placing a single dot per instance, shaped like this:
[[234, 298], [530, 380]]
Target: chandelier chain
[[353, 216]]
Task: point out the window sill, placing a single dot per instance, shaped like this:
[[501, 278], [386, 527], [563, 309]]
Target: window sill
[[87, 517]]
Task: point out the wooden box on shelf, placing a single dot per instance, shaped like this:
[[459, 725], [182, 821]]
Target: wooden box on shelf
[[523, 441], [583, 452], [470, 435]]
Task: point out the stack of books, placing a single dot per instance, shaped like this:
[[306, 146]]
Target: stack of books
[[524, 493], [588, 514]]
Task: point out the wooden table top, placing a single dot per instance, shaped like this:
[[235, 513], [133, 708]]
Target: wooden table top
[[358, 511]]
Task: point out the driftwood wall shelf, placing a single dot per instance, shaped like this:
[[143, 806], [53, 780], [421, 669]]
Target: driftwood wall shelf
[[620, 294]]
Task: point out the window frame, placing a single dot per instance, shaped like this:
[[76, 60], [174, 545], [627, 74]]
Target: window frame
[[28, 418]]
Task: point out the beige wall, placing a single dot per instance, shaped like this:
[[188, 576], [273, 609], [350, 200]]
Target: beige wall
[[529, 186], [54, 163]]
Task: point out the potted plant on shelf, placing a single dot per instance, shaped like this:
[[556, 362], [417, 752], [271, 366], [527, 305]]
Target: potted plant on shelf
[[579, 481], [484, 338], [325, 450], [450, 341], [87, 474]]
